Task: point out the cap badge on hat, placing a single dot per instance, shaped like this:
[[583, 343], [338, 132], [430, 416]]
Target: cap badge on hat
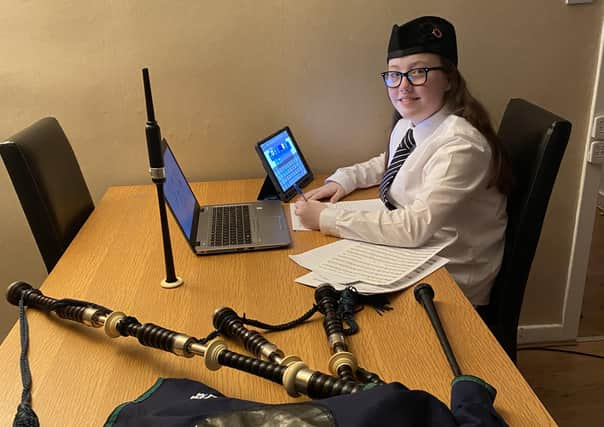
[[436, 32]]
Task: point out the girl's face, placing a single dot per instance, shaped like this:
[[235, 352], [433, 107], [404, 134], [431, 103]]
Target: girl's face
[[417, 103]]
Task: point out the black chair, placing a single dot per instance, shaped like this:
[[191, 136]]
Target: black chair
[[49, 184], [535, 140]]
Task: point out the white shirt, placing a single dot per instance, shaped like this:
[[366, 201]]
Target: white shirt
[[441, 188]]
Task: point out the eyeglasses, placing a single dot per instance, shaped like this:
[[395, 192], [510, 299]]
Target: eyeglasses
[[415, 76]]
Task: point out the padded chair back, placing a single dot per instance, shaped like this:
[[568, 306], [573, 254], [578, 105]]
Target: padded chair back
[[49, 184], [535, 140]]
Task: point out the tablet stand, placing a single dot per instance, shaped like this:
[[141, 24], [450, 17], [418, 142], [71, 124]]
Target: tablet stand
[[268, 190]]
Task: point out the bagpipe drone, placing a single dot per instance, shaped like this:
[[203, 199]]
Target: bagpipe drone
[[348, 396]]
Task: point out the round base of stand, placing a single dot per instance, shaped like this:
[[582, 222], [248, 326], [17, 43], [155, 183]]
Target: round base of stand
[[170, 285]]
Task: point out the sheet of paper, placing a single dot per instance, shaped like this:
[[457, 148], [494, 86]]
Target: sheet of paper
[[372, 264], [315, 279], [358, 205]]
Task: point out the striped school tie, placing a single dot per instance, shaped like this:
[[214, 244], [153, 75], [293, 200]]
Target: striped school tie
[[402, 152]]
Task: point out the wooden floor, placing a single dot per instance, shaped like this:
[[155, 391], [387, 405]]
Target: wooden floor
[[569, 385]]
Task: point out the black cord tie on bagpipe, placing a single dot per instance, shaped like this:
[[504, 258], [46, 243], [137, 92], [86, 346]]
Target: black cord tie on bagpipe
[[25, 416], [351, 301], [281, 326], [348, 301]]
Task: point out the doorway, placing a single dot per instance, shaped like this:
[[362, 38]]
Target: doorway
[[591, 323]]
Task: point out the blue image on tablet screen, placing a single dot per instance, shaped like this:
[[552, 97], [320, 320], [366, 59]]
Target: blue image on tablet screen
[[283, 158], [178, 194]]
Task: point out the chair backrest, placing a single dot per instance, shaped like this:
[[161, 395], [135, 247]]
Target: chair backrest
[[49, 184], [535, 140]]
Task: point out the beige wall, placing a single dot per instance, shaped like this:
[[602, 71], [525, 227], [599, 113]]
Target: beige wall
[[227, 73]]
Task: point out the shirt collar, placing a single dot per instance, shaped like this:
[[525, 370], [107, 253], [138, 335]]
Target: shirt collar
[[425, 128]]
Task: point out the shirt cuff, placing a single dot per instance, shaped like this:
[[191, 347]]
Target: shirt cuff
[[342, 179], [327, 221]]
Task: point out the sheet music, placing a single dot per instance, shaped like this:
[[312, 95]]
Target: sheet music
[[315, 279], [348, 260]]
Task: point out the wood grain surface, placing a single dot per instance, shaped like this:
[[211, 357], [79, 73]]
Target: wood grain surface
[[80, 375]]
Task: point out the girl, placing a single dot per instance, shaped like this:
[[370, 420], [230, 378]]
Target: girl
[[444, 170]]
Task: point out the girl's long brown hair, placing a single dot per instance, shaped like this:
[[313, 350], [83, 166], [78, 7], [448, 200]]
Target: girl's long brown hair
[[461, 102]]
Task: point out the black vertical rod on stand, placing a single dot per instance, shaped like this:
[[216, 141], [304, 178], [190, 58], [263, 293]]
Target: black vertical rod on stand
[[424, 294], [158, 176]]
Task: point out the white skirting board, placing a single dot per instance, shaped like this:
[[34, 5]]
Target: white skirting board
[[554, 332]]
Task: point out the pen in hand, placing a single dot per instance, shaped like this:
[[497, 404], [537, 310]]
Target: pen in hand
[[299, 191]]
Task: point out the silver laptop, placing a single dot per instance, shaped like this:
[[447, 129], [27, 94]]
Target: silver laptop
[[222, 228]]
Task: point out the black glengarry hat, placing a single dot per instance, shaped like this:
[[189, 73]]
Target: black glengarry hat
[[426, 34]]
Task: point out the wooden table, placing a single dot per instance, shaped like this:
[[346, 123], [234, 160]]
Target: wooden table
[[80, 375]]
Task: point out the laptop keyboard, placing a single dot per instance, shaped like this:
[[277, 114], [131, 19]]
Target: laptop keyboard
[[230, 225]]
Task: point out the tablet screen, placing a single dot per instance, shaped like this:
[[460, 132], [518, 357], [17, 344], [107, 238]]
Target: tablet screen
[[284, 159]]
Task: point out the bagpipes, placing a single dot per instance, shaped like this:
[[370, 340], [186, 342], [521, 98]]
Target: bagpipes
[[271, 363]]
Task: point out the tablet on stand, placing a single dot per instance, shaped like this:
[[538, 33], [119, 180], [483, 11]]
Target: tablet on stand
[[284, 164]]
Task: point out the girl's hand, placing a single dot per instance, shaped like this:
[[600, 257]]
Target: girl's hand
[[309, 213], [332, 189]]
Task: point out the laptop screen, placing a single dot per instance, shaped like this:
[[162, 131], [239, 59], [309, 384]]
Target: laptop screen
[[284, 160], [178, 193]]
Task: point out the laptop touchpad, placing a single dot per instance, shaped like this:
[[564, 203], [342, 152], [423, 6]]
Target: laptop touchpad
[[273, 223]]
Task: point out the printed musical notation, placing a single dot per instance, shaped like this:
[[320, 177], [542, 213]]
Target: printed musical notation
[[372, 268]]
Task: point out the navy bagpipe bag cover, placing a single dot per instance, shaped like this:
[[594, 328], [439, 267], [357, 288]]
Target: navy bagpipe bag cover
[[183, 402]]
